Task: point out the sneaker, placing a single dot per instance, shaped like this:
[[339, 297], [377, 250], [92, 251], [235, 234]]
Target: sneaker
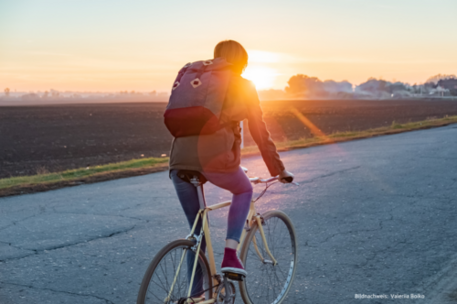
[[232, 263]]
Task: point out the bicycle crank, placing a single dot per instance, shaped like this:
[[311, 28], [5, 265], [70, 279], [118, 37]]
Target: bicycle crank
[[226, 292]]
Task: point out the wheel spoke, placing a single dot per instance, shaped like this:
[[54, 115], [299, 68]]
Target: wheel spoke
[[164, 269], [266, 282]]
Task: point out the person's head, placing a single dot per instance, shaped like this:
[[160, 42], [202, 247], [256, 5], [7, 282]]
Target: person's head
[[234, 53]]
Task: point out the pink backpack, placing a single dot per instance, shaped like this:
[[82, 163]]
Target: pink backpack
[[197, 98]]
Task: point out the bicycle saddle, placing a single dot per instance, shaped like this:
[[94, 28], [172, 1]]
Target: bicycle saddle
[[187, 175]]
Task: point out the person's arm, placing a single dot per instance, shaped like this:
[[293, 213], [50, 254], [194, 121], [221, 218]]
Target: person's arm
[[262, 137]]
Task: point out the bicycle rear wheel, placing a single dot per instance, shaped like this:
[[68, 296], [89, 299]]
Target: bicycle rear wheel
[[266, 283], [162, 271]]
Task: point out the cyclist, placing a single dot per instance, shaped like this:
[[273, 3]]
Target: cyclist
[[217, 157]]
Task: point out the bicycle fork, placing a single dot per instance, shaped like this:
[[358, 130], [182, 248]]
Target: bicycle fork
[[264, 239]]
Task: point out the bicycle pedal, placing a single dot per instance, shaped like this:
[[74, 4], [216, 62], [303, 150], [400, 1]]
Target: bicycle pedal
[[234, 276]]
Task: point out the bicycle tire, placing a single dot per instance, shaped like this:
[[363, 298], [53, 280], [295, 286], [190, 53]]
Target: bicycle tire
[[178, 246], [258, 272]]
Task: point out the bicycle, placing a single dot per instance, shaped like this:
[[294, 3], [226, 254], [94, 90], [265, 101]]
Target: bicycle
[[268, 250]]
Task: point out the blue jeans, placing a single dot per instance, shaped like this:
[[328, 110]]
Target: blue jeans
[[235, 182]]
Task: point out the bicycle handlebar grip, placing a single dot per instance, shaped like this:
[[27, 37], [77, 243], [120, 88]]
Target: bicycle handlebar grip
[[289, 179]]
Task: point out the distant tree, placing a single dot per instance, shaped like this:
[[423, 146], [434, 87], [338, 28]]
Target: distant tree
[[448, 84], [332, 86], [417, 89], [303, 84], [45, 94], [54, 93], [397, 86], [436, 78], [30, 96], [7, 92], [374, 85]]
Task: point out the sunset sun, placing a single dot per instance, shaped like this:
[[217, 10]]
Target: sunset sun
[[263, 77]]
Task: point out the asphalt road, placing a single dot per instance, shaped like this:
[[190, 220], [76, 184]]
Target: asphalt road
[[374, 216]]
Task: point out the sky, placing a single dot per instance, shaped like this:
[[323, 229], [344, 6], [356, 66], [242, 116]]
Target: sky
[[100, 45]]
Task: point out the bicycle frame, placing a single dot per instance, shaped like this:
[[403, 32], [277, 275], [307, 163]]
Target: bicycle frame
[[253, 216]]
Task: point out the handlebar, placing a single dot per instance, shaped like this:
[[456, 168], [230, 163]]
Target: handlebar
[[258, 180]]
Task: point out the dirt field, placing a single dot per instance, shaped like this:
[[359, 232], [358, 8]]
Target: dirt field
[[36, 139]]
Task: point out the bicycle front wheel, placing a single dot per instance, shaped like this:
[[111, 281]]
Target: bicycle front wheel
[[166, 282], [266, 283]]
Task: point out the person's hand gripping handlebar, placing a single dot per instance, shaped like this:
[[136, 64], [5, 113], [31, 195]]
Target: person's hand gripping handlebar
[[286, 177]]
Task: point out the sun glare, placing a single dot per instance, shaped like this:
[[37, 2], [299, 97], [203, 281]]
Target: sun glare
[[263, 56], [263, 77], [257, 71]]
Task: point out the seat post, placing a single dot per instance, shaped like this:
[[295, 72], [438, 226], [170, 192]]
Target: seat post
[[200, 192], [201, 197]]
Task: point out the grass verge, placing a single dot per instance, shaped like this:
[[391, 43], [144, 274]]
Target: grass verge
[[337, 137], [49, 181]]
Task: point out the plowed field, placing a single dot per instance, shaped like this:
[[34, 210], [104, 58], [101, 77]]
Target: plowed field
[[36, 139]]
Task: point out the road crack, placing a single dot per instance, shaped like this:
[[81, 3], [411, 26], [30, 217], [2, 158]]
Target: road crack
[[18, 221], [350, 232], [99, 214], [59, 291], [66, 245], [328, 175]]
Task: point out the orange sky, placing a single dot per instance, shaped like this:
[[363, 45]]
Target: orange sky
[[125, 45]]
